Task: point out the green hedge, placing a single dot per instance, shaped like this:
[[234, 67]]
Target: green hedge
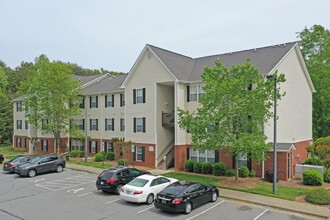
[[318, 196], [99, 156], [219, 169], [253, 173], [230, 173], [207, 168], [198, 167], [189, 165], [312, 178], [123, 162], [244, 172], [313, 161], [110, 156], [74, 153], [82, 153]]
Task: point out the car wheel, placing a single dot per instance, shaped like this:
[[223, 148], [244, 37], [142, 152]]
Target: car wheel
[[118, 189], [150, 199], [214, 197], [187, 208], [32, 173], [59, 168]]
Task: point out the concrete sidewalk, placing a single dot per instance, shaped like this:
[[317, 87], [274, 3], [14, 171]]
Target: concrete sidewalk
[[286, 205]]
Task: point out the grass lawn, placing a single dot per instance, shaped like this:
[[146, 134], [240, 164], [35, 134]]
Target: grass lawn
[[91, 164], [263, 189], [10, 157], [11, 151], [202, 179]]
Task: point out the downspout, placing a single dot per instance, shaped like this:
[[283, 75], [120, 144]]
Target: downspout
[[263, 155], [101, 113]]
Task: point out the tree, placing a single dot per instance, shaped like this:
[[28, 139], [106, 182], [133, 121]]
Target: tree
[[48, 94], [232, 114], [315, 47], [3, 85], [3, 81]]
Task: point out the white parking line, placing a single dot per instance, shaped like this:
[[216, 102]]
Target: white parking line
[[145, 209], [205, 210], [85, 194], [260, 214], [112, 201]]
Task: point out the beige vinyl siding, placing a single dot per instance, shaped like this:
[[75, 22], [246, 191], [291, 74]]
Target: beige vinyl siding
[[19, 115], [147, 73], [295, 108]]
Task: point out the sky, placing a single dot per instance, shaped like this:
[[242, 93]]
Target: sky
[[111, 34]]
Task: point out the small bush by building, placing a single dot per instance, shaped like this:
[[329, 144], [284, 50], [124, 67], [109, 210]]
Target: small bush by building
[[207, 168], [99, 156], [270, 176], [326, 163], [74, 153], [198, 167], [219, 169], [244, 172], [189, 165], [82, 153], [318, 196], [253, 173], [123, 162], [313, 161], [312, 178], [230, 173], [110, 156]]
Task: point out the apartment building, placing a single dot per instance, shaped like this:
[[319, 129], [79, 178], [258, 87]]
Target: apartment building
[[142, 107]]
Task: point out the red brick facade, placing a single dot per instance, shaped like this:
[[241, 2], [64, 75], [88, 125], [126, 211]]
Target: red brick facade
[[24, 143]]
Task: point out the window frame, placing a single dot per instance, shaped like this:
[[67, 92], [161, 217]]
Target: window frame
[[94, 124], [94, 101], [139, 153], [197, 91], [19, 125], [122, 124], [196, 154]]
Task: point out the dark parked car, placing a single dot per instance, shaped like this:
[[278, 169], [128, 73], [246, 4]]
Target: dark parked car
[[41, 164], [12, 164], [112, 179], [183, 196], [1, 158]]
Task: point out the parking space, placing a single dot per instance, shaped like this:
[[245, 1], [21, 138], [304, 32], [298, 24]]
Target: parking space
[[73, 195]]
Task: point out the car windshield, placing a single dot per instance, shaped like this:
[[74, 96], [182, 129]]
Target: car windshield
[[15, 160], [175, 189], [107, 174], [35, 160], [138, 182]]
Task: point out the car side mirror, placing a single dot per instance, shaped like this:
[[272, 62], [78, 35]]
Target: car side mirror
[[39, 163]]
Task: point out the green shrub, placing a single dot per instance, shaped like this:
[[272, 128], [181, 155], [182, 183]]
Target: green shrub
[[253, 173], [207, 168], [219, 169], [74, 153], [313, 161], [189, 165], [99, 156], [123, 162], [312, 178], [326, 177], [82, 153], [326, 163], [110, 156], [230, 173], [244, 171], [198, 167], [318, 196]]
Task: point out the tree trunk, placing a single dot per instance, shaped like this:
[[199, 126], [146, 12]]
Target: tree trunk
[[236, 166]]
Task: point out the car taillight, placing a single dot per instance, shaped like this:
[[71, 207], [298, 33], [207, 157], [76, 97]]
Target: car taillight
[[122, 189], [111, 181], [138, 192], [176, 201], [98, 178], [10, 165]]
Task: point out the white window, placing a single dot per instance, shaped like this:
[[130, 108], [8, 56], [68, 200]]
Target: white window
[[77, 145], [26, 125], [19, 124], [139, 124], [122, 99], [139, 96], [139, 153], [18, 106], [93, 146], [242, 159], [94, 124], [18, 142], [80, 123], [207, 155], [196, 92], [94, 103], [109, 101], [44, 145], [109, 124]]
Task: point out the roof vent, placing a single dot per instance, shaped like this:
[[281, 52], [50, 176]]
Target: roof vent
[[255, 49], [284, 45], [79, 79], [218, 58], [273, 46]]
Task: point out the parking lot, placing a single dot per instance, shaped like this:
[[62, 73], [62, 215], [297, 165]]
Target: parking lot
[[73, 195]]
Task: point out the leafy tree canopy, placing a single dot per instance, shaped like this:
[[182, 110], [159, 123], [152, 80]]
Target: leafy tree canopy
[[236, 104]]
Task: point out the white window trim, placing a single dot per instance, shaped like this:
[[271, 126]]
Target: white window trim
[[93, 100], [137, 125], [139, 153], [206, 152], [139, 96], [198, 92], [94, 147]]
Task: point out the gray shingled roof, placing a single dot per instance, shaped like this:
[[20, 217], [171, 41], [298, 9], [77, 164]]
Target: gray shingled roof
[[106, 85], [190, 69], [85, 79]]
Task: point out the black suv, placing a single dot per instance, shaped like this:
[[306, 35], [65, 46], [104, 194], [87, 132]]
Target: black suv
[[1, 158], [41, 164], [112, 179]]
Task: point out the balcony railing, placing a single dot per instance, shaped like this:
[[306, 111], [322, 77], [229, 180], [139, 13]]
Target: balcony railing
[[167, 119]]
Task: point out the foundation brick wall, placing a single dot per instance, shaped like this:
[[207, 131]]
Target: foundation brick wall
[[301, 151], [24, 142]]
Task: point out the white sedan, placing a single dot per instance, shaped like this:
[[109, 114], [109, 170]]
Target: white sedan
[[144, 188]]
